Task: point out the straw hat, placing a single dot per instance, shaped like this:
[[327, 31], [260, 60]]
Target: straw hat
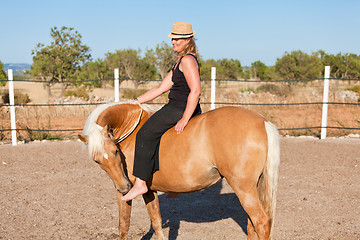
[[181, 30]]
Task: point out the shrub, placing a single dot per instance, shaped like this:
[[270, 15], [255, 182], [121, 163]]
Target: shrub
[[281, 91], [40, 135], [19, 97], [355, 89], [133, 93], [78, 92]]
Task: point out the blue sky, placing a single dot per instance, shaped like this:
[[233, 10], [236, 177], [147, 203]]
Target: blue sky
[[245, 30]]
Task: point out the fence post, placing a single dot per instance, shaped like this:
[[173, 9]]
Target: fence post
[[325, 103], [12, 107], [213, 77], [116, 84]]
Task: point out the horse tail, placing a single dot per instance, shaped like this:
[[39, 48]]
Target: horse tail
[[267, 185]]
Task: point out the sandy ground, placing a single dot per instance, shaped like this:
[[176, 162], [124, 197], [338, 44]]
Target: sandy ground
[[51, 190]]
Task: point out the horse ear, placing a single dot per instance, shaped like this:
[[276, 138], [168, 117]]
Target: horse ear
[[105, 130], [83, 138]]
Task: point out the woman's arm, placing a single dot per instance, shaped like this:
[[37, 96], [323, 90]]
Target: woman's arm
[[153, 93], [189, 67]]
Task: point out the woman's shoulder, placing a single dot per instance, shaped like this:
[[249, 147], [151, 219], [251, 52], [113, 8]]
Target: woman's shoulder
[[189, 59]]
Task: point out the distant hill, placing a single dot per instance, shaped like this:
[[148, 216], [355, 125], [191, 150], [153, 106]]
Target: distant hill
[[17, 68]]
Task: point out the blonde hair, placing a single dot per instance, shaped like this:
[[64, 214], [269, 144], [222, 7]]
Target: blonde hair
[[189, 48]]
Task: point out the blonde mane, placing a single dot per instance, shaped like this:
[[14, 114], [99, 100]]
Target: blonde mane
[[93, 131]]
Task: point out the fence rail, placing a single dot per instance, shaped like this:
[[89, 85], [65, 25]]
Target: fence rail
[[213, 103]]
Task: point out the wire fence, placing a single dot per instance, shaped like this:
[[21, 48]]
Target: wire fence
[[228, 93]]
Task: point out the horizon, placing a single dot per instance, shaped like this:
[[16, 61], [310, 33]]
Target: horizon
[[243, 30]]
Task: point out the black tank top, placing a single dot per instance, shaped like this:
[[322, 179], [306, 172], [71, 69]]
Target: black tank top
[[179, 92]]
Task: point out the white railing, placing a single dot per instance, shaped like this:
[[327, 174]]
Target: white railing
[[213, 100]]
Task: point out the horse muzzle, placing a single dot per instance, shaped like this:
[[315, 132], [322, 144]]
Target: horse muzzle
[[123, 190]]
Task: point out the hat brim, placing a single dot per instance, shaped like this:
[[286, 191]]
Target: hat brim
[[174, 35]]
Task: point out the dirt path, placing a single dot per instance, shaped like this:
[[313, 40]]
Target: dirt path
[[51, 190]]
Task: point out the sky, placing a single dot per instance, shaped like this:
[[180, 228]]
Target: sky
[[246, 30]]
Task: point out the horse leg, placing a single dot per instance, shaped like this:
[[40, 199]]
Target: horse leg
[[251, 231], [124, 216], [258, 219], [152, 204]]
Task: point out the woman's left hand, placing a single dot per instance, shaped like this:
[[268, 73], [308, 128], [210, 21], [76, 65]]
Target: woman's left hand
[[181, 124]]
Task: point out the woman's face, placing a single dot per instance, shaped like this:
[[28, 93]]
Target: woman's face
[[179, 44]]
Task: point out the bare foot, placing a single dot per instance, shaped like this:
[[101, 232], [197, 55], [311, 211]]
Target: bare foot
[[138, 189], [172, 195]]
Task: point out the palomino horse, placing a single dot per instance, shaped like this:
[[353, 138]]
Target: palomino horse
[[228, 142]]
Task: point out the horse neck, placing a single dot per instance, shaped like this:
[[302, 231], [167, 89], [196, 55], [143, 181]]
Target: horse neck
[[127, 147]]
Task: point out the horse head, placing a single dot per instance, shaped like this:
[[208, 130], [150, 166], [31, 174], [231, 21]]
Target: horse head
[[110, 159]]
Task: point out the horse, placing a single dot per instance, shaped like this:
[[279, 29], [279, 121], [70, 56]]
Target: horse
[[228, 142]]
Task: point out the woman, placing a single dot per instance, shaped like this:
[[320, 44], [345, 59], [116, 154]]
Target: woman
[[183, 81]]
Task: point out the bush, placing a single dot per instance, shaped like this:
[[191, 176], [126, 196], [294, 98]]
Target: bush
[[41, 135], [133, 93], [19, 97], [78, 92], [281, 91], [355, 89]]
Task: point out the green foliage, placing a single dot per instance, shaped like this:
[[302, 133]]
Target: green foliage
[[259, 70], [298, 65], [225, 68], [95, 71], [341, 65], [162, 57], [282, 91], [130, 65], [62, 59], [78, 92], [205, 68], [2, 74], [19, 98]]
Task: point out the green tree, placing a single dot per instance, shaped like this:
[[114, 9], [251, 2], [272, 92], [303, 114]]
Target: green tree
[[259, 70], [228, 69], [298, 65], [341, 65], [130, 65], [95, 70], [162, 57], [205, 68], [62, 60], [2, 74]]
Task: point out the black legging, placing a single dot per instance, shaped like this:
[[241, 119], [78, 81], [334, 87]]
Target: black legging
[[146, 160]]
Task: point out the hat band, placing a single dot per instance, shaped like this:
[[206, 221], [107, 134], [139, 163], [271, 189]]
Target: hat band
[[181, 34]]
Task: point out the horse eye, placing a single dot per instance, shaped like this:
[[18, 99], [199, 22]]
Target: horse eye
[[97, 161]]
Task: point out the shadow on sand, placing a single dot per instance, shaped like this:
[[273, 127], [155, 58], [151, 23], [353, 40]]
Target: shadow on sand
[[199, 207]]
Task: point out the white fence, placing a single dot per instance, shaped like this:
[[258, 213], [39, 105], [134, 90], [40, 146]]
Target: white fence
[[213, 99]]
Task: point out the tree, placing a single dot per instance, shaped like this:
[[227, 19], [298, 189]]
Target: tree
[[2, 74], [225, 68], [298, 65], [205, 68], [62, 60], [162, 58], [95, 71], [228, 69], [259, 70], [341, 66], [130, 65]]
